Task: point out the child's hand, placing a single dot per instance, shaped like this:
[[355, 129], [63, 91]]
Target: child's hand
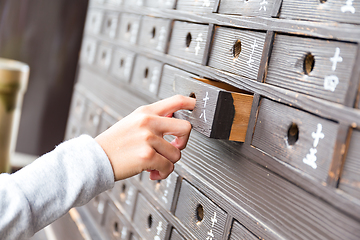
[[136, 143]]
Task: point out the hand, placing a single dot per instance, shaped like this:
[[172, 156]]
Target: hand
[[136, 142]]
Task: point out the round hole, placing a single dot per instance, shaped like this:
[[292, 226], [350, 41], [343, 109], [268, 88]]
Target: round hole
[[128, 27], [149, 221], [192, 95], [153, 32], [146, 72], [309, 63], [123, 188], [116, 229], [121, 63], [236, 49], [293, 134], [323, 1], [188, 40], [103, 55], [108, 23], [199, 213]]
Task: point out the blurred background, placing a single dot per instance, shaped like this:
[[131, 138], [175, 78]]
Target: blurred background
[[45, 34]]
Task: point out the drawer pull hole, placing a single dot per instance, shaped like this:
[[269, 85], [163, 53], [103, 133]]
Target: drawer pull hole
[[123, 191], [128, 27], [103, 55], [309, 63], [188, 40], [116, 229], [192, 95], [199, 213], [323, 1], [153, 32], [236, 49], [149, 221], [109, 23], [121, 63], [293, 134], [146, 72]]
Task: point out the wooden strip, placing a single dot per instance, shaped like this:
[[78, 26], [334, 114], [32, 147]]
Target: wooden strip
[[175, 235], [216, 6], [240, 232], [267, 50], [350, 99], [253, 119], [209, 43], [275, 11]]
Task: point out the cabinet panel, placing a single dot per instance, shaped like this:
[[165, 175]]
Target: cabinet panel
[[237, 51], [199, 214], [110, 25], [88, 50], [125, 193], [320, 68], [104, 56], [188, 41], [115, 226], [122, 64], [247, 8], [296, 137], [94, 21], [129, 27]]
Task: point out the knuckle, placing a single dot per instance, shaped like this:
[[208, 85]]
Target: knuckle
[[146, 154], [144, 120]]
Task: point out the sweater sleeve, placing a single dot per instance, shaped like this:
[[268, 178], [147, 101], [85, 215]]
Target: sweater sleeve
[[69, 176]]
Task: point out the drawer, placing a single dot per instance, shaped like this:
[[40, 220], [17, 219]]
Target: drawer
[[163, 4], [247, 8], [122, 64], [199, 214], [115, 226], [97, 207], [94, 21], [218, 113], [204, 6], [175, 235], [237, 51], [129, 27], [110, 25], [92, 119], [88, 50], [162, 190], [350, 177], [168, 79], [347, 11], [146, 75], [320, 68], [78, 106], [103, 58], [125, 193], [188, 41], [150, 224], [238, 231], [301, 139], [106, 121], [154, 33]]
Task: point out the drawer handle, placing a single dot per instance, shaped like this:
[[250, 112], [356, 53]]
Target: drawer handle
[[116, 232], [309, 63], [149, 221], [123, 190], [128, 27], [153, 32], [293, 134], [188, 40], [236, 49], [199, 213]]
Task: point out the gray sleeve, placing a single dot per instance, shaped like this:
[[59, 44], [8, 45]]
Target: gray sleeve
[[71, 175]]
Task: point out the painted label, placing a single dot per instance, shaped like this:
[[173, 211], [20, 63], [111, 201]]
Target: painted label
[[158, 231], [210, 233], [251, 61], [161, 40], [203, 113], [263, 5], [348, 7], [330, 82], [199, 39], [310, 158]]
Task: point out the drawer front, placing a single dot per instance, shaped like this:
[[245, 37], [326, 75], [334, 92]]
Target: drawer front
[[237, 51], [97, 207], [247, 8], [238, 231], [162, 190], [154, 33], [199, 214], [167, 84], [129, 27], [347, 11], [92, 119], [296, 137], [188, 41], [115, 226], [125, 193], [106, 122], [110, 25], [88, 50], [103, 58], [315, 67], [175, 235], [146, 75], [204, 6], [350, 177], [122, 64], [94, 21], [164, 4], [149, 223]]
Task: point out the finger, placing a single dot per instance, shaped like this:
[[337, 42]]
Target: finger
[[166, 149], [170, 105], [155, 175], [161, 164]]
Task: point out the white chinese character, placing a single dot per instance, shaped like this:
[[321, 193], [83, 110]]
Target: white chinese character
[[253, 46], [161, 39], [311, 158], [129, 193], [168, 182], [330, 82], [203, 114], [206, 3], [213, 220], [154, 78], [164, 198], [206, 98], [159, 228], [123, 233], [317, 135], [210, 233], [336, 58], [199, 39], [348, 7], [263, 5]]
